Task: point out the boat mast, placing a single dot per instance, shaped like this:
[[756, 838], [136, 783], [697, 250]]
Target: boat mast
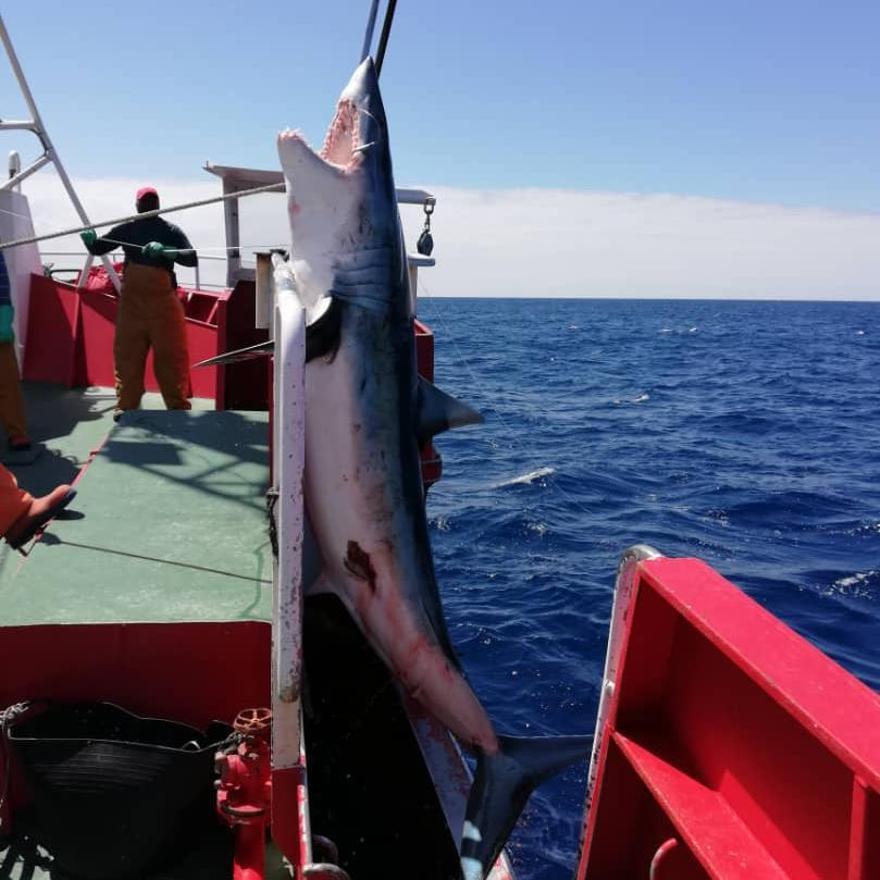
[[50, 154]]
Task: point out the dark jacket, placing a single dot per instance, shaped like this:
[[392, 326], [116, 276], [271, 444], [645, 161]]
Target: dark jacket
[[132, 236]]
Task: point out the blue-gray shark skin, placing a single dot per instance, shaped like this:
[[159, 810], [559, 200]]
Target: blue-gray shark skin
[[366, 413]]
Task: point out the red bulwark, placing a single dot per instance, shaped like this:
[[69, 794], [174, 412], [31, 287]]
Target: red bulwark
[[70, 341], [734, 749], [432, 465]]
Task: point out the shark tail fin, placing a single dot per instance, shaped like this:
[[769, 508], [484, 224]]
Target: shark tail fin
[[501, 788]]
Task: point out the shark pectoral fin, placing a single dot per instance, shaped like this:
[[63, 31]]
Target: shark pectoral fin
[[322, 332], [501, 788], [322, 337], [261, 349], [439, 411]]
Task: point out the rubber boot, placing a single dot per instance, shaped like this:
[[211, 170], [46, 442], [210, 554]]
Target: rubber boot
[[41, 510]]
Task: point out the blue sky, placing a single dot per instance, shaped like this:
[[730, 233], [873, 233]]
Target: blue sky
[[773, 101]]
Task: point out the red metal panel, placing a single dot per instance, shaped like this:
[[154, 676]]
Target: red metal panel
[[759, 753], [70, 341], [193, 672], [95, 340], [52, 332], [815, 690], [98, 329], [242, 385], [425, 350], [202, 344], [865, 833]]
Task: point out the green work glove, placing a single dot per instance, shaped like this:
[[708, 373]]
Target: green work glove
[[89, 237], [155, 249], [7, 313]]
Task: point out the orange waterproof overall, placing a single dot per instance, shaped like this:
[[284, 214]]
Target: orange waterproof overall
[[11, 401], [13, 501], [150, 314]]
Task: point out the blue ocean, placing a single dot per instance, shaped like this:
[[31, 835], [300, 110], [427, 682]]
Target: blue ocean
[[745, 433]]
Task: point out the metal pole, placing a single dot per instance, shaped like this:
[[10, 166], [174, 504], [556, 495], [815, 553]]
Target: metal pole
[[383, 39], [15, 180], [47, 142], [272, 187], [22, 82], [371, 25]]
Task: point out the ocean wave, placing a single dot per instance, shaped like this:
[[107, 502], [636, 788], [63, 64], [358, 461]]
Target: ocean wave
[[758, 453], [527, 479], [861, 584], [639, 398]]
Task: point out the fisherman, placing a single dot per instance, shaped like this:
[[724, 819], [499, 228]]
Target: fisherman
[[150, 313], [11, 399], [22, 515]]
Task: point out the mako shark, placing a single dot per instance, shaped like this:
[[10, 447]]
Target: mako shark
[[367, 414]]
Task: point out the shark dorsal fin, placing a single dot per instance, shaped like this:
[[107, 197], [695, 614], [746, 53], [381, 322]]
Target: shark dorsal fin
[[439, 411]]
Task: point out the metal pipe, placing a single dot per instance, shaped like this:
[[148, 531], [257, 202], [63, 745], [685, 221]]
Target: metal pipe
[[47, 143], [19, 75], [84, 274], [371, 25], [383, 39], [16, 179], [272, 187]]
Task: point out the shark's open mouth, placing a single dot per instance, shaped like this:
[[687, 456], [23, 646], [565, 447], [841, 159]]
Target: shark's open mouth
[[342, 143]]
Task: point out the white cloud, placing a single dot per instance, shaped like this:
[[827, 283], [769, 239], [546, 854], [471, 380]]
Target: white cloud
[[534, 242], [538, 242]]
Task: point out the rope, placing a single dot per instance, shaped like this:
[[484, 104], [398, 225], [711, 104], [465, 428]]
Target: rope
[[272, 187]]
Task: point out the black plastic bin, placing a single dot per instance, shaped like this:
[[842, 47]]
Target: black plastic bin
[[112, 794]]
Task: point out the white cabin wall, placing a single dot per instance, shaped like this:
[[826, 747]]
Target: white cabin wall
[[21, 261]]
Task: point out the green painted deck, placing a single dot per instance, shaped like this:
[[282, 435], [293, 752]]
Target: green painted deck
[[168, 524]]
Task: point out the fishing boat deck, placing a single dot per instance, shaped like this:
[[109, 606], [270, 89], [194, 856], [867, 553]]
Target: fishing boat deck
[[168, 527], [153, 591], [168, 524]]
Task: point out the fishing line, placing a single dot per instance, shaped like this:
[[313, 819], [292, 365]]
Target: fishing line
[[507, 427]]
